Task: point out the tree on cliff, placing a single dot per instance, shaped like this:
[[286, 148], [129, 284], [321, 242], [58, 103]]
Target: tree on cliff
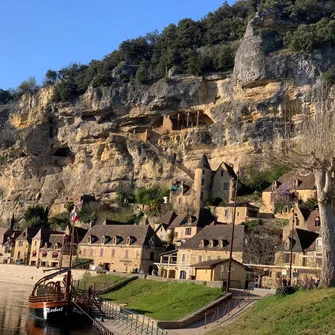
[[313, 151]]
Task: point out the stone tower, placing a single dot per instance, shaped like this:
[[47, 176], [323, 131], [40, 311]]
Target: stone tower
[[202, 183]]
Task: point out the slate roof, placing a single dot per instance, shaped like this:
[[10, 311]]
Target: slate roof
[[220, 232], [302, 240], [230, 170], [286, 181], [4, 233], [27, 234], [55, 238], [203, 163], [142, 234], [200, 218], [212, 263], [167, 219]]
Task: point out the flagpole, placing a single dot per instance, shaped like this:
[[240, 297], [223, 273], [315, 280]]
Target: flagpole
[[68, 280]]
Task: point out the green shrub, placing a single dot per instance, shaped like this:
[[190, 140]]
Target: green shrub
[[283, 291]]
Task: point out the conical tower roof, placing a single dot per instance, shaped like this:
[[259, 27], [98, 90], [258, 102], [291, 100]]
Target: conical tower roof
[[203, 163]]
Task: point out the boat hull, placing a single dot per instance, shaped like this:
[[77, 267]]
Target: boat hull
[[60, 312]]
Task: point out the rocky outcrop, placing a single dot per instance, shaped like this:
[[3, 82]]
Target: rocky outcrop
[[93, 144]]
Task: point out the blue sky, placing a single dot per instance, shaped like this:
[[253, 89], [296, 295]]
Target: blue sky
[[38, 35]]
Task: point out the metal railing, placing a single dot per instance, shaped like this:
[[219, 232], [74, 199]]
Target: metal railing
[[225, 309], [138, 323], [48, 297]]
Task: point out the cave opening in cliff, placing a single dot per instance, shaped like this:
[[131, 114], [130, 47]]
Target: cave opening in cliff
[[63, 156], [182, 120]]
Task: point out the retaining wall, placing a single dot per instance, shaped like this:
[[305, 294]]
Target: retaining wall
[[28, 275]]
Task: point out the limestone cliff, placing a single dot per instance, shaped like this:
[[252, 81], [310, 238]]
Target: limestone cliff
[[149, 134]]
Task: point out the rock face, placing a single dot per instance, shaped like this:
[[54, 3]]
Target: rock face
[[93, 144]]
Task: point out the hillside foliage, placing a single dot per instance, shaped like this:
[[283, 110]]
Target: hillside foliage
[[190, 47]]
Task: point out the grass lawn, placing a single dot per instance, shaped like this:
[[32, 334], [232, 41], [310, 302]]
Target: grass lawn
[[99, 281], [303, 313], [163, 300]]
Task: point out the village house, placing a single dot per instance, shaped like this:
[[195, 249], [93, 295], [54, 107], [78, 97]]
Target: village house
[[163, 226], [306, 258], [207, 184], [276, 199], [78, 200], [8, 247], [5, 234], [122, 248], [53, 248], [244, 212], [212, 242], [217, 270], [23, 245], [186, 226]]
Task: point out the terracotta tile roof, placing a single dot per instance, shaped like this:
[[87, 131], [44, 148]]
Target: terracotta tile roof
[[212, 263], [143, 235], [217, 233]]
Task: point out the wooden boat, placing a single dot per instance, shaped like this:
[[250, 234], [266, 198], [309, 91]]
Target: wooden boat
[[55, 299]]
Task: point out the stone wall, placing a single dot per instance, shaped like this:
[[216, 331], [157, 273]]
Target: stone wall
[[28, 275]]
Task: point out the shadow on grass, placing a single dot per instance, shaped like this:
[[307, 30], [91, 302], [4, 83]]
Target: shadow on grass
[[140, 311]]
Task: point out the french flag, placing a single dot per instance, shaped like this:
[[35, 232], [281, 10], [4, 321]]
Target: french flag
[[74, 216]]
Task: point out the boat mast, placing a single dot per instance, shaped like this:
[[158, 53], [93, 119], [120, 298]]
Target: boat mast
[[68, 279]]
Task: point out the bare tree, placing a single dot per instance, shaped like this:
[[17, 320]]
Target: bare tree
[[312, 150]]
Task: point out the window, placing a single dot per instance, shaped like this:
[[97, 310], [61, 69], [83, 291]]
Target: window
[[179, 201], [152, 256], [182, 274], [101, 252], [126, 254], [203, 171], [319, 262], [188, 231], [297, 221], [91, 252], [20, 243], [84, 252], [238, 213], [317, 222], [222, 173], [304, 261], [183, 258], [35, 243], [286, 258], [226, 213], [113, 252], [225, 186], [202, 182], [319, 244], [175, 235], [199, 259]]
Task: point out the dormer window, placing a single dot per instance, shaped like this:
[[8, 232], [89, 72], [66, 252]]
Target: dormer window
[[130, 240], [204, 243], [223, 243], [117, 240], [89, 239], [295, 183], [213, 243], [103, 239]]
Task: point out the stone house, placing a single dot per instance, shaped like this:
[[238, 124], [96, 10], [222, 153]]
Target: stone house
[[23, 245], [288, 187], [54, 248], [162, 226], [187, 226], [212, 242], [122, 247], [8, 247], [217, 270], [79, 200], [207, 184], [244, 212], [5, 234], [306, 257]]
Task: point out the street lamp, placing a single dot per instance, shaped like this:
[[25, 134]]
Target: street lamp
[[235, 185]]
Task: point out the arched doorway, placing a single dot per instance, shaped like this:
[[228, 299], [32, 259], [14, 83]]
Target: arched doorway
[[172, 274], [182, 274]]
